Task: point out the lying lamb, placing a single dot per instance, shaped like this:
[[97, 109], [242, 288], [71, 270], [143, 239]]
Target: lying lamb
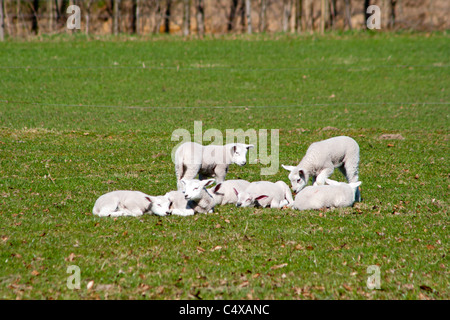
[[208, 161], [265, 194], [334, 195], [198, 197], [130, 203], [224, 192], [178, 204], [320, 160]]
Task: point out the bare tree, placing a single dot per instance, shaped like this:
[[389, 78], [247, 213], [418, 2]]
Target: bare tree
[[298, 15], [287, 10], [34, 17], [348, 14], [366, 14], [167, 16], [333, 13], [248, 13], [232, 15], [116, 16], [323, 12], [88, 5], [186, 17], [263, 16], [200, 16], [134, 22], [2, 22], [157, 17]]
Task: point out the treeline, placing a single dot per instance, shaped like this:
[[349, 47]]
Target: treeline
[[33, 17]]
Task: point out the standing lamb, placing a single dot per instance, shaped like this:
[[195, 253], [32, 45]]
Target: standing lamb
[[320, 160], [334, 195], [208, 161], [223, 192], [265, 194], [178, 204], [130, 203], [198, 197]]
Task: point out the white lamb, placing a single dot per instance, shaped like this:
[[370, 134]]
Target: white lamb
[[198, 197], [178, 204], [320, 160], [334, 195], [223, 192], [130, 203], [265, 194], [208, 161]]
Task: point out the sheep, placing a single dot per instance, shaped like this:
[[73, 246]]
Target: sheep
[[333, 195], [130, 203], [322, 158], [208, 161], [198, 197], [264, 194], [178, 204], [223, 192]]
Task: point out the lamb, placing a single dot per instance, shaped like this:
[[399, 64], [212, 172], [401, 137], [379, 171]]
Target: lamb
[[333, 195], [198, 197], [130, 203], [178, 204], [223, 192], [322, 158], [264, 194], [208, 161]]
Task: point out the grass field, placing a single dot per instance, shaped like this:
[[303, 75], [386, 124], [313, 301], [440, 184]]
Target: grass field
[[80, 118]]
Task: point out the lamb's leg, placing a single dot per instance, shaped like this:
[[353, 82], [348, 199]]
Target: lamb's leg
[[276, 204], [351, 170], [323, 175]]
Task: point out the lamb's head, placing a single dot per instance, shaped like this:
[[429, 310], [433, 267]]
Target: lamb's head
[[239, 153], [354, 185], [247, 200], [193, 188], [297, 176], [159, 205]]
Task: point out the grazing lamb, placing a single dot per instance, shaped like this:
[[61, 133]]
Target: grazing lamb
[[223, 192], [208, 161], [198, 197], [130, 203], [334, 195], [265, 194], [320, 160], [178, 204]]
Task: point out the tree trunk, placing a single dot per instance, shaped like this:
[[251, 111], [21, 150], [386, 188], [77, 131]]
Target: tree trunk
[[200, 5], [287, 7], [232, 15], [348, 14], [248, 13], [186, 17], [116, 17], [333, 13], [298, 15], [263, 16], [167, 16], [2, 22], [157, 20], [392, 14], [134, 23], [34, 18], [323, 15], [366, 15]]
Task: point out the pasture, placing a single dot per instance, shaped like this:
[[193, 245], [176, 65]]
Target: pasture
[[79, 118]]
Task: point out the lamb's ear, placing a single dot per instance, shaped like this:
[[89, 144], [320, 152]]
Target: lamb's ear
[[301, 173], [331, 182], [151, 199], [288, 168], [217, 187], [261, 197], [355, 184], [249, 146], [208, 182], [235, 191], [148, 198]]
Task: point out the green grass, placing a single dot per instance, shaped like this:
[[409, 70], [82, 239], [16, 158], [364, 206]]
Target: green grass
[[80, 118]]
